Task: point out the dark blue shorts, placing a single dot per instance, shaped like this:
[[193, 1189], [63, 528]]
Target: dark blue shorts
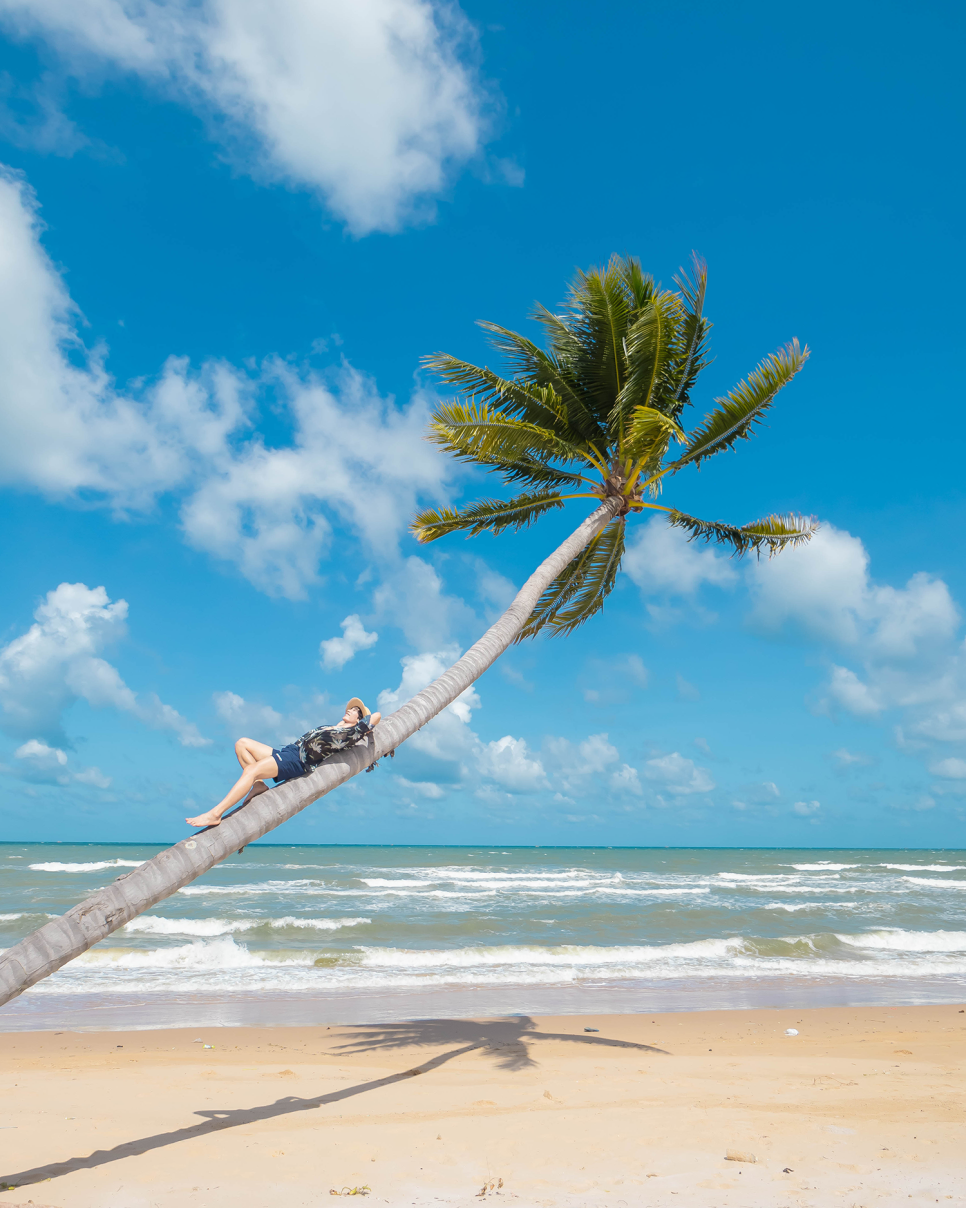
[[289, 764]]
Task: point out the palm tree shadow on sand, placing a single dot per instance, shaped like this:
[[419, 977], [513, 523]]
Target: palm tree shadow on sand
[[508, 1040]]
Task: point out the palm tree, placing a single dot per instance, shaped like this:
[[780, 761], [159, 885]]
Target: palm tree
[[592, 417]]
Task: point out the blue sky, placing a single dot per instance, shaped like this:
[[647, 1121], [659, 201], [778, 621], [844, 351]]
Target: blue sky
[[228, 235]]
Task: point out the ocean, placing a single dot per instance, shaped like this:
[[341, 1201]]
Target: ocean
[[319, 934]]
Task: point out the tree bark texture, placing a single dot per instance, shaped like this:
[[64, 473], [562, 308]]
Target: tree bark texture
[[59, 941]]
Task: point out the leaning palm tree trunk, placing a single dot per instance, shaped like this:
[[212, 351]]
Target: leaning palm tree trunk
[[57, 942]]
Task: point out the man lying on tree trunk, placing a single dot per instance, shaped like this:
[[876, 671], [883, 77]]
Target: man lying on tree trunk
[[261, 762]]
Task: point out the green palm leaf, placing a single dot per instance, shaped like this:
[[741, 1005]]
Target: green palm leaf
[[531, 471], [479, 431], [774, 533], [649, 347], [537, 404], [579, 591], [649, 430], [540, 368], [693, 331], [744, 406], [494, 515]]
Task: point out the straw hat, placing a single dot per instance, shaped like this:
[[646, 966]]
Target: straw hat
[[356, 703]]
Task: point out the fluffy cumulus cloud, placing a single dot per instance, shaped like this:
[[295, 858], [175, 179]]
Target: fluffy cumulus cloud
[[677, 776], [371, 104], [67, 430], [336, 652], [449, 739], [48, 765], [895, 653], [661, 561], [412, 597], [58, 661], [824, 588], [251, 719]]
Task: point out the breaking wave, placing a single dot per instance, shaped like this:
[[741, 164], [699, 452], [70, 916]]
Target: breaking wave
[[92, 866]]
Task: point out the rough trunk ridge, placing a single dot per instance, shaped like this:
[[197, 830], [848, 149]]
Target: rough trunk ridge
[[59, 941]]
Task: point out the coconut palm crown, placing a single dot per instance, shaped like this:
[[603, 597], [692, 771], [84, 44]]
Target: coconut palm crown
[[594, 417]]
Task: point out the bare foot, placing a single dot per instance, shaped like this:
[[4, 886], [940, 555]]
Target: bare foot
[[209, 819]]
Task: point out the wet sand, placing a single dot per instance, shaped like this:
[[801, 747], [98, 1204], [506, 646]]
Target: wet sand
[[864, 1107]]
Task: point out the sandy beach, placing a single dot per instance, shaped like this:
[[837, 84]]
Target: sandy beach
[[864, 1106]]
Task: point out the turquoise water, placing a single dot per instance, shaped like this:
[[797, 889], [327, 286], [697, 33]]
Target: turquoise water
[[293, 934]]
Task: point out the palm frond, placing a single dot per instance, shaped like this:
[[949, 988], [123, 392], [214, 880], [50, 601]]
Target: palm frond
[[474, 431], [580, 589], [649, 430], [494, 515], [693, 331], [649, 348], [744, 406], [600, 312], [532, 364], [537, 404], [773, 533], [639, 285], [531, 472]]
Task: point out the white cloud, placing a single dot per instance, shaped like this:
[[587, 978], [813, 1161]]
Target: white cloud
[[262, 722], [336, 652], [412, 597], [904, 640], [94, 777], [371, 104], [45, 763], [574, 764], [677, 775], [508, 762], [825, 589], [950, 769], [65, 429], [422, 788], [846, 689], [57, 661], [661, 560], [846, 759], [805, 809], [448, 736], [626, 780], [41, 753]]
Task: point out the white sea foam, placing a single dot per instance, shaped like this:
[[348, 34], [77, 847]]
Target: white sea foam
[[154, 925], [93, 866], [825, 866], [936, 882], [925, 867], [372, 881], [9, 918], [219, 953], [791, 907], [896, 940], [759, 876], [223, 965]]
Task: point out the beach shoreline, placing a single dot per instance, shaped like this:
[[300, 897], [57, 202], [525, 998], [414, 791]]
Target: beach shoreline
[[44, 1010], [863, 1106]]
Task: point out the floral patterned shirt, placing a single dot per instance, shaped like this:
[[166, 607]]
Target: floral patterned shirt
[[324, 741]]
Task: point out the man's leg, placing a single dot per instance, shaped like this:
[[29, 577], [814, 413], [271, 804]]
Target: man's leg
[[249, 751], [262, 769]]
